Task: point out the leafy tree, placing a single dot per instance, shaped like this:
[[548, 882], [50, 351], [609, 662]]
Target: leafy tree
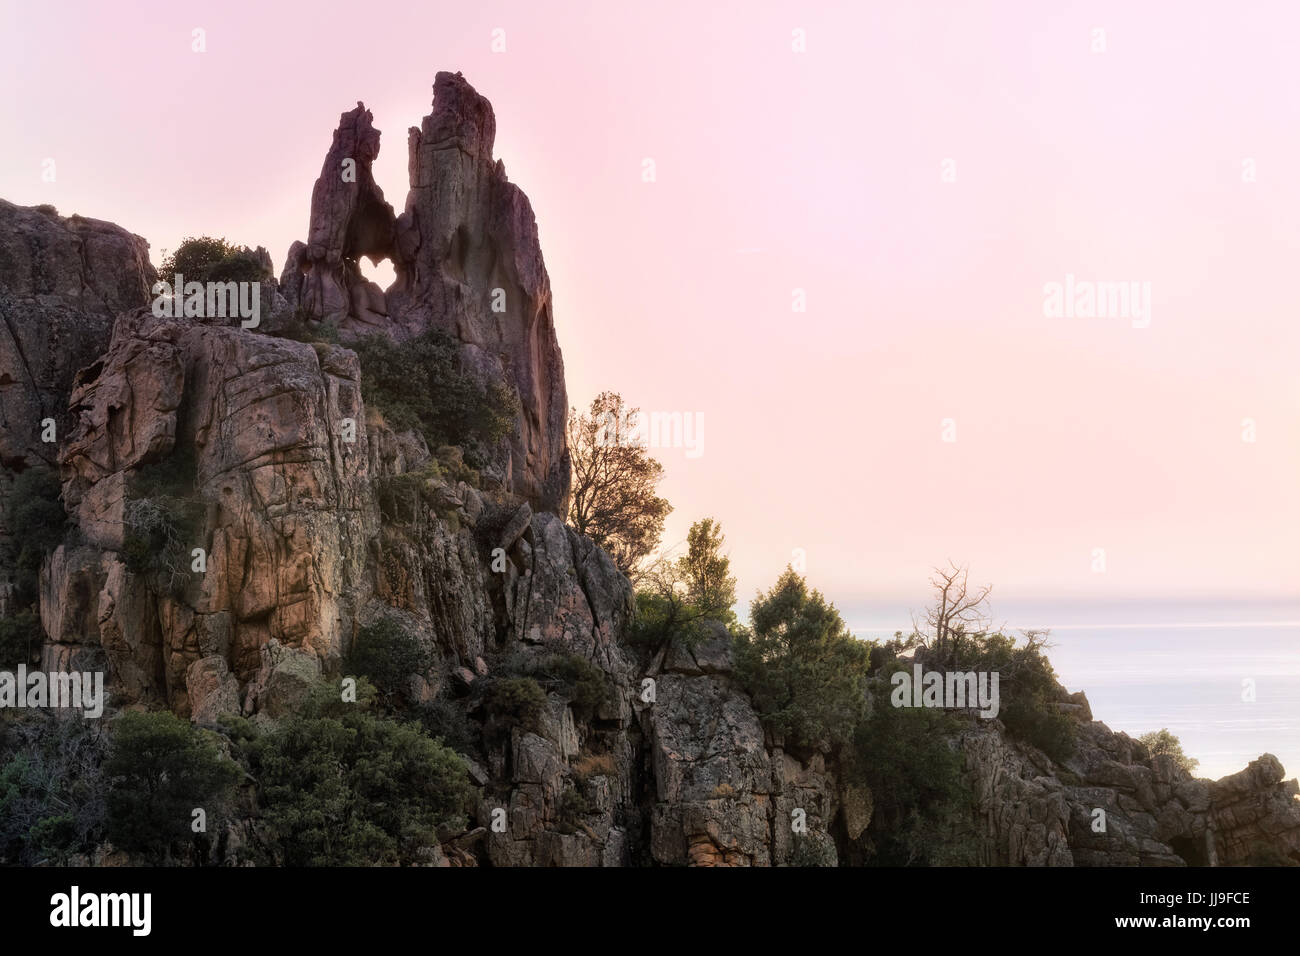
[[420, 384], [805, 671], [160, 770], [205, 259], [706, 571], [675, 598], [613, 498], [1163, 742], [351, 789]]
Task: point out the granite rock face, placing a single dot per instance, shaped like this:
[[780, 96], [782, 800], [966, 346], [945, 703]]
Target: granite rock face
[[62, 281], [349, 219], [1114, 804]]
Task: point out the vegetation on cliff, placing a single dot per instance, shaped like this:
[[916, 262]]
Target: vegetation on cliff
[[36, 520], [422, 384], [613, 500], [205, 259], [342, 786]]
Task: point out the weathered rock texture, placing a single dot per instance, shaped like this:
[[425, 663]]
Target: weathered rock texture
[[316, 518], [1033, 812], [62, 281], [468, 261]]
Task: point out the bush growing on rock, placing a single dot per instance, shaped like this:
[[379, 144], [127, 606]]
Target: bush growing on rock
[[353, 789], [302, 327], [1028, 689], [956, 634], [35, 516], [1163, 742], [160, 769], [514, 702], [445, 721], [922, 807], [582, 682], [676, 599], [420, 384], [805, 672], [389, 655], [574, 808]]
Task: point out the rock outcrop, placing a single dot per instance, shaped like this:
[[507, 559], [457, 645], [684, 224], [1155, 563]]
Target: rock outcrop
[[468, 262], [349, 219], [1114, 804], [62, 281]]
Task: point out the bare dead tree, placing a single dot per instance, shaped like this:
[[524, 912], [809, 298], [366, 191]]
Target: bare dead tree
[[958, 610]]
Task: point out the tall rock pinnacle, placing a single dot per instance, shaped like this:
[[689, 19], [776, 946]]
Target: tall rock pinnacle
[[468, 262]]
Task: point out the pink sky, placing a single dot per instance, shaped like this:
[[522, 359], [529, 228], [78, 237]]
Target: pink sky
[[821, 171]]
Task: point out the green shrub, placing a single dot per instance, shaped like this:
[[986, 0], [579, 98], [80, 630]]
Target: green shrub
[[922, 807], [45, 209], [1163, 742], [302, 327], [160, 770], [36, 519], [446, 721], [355, 789], [677, 600], [1027, 689], [205, 259], [664, 615], [52, 789], [586, 685], [514, 702], [805, 672], [420, 384], [403, 498], [236, 267], [326, 699], [1031, 717], [389, 655]]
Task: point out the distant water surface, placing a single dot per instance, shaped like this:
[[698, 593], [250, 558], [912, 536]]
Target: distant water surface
[[1147, 665]]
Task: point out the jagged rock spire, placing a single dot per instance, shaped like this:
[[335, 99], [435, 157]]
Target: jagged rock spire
[[468, 261]]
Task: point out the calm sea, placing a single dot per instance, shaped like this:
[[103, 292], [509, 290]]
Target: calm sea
[[1148, 665]]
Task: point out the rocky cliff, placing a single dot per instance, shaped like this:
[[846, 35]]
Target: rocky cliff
[[311, 530]]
